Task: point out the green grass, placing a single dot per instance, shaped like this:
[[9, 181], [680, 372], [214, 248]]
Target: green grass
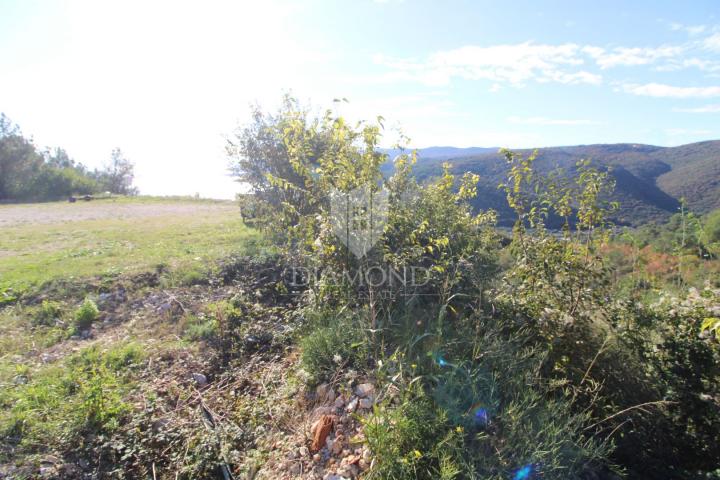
[[59, 401], [34, 253]]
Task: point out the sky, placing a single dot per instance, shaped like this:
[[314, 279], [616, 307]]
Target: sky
[[169, 81]]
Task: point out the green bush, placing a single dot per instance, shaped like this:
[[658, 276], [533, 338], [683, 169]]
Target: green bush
[[86, 314], [337, 343], [200, 328], [46, 314], [483, 419]]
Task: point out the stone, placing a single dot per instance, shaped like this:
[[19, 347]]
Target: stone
[[322, 411], [352, 405], [365, 403], [200, 379], [337, 447], [47, 472], [365, 390], [325, 393], [321, 431], [332, 476], [304, 452], [367, 455], [339, 402]]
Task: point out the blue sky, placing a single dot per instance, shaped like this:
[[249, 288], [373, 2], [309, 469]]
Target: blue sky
[[165, 81]]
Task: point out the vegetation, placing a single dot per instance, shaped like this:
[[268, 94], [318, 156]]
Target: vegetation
[[67, 242], [539, 368], [650, 181], [565, 348], [86, 314], [28, 174]]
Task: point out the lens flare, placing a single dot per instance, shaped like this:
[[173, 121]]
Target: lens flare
[[479, 414], [523, 473], [441, 361]]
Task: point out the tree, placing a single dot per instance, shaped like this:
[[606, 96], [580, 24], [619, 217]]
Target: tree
[[19, 161], [118, 175], [710, 236]]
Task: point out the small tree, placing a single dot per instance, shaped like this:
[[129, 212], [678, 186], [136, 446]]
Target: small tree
[[118, 175]]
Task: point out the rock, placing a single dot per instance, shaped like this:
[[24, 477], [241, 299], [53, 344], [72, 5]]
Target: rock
[[70, 470], [200, 379], [321, 431], [47, 472], [365, 403], [160, 424], [304, 452], [317, 458], [322, 411], [339, 402], [367, 455], [352, 405], [294, 468], [337, 446], [103, 298], [85, 334], [350, 471], [20, 379], [365, 390], [50, 460], [332, 476], [325, 393]]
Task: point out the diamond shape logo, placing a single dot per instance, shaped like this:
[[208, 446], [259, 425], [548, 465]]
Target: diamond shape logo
[[358, 217]]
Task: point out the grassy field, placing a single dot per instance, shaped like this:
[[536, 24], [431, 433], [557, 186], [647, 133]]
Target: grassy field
[[129, 281], [42, 242]]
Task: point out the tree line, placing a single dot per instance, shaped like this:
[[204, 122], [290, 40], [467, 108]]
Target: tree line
[[28, 173]]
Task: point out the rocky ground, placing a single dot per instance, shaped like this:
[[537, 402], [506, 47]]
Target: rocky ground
[[250, 414]]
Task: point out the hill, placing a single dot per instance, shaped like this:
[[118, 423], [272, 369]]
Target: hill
[[651, 180]]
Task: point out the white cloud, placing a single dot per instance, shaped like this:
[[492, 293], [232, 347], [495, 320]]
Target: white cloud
[[712, 42], [514, 64], [704, 109], [670, 91], [550, 121], [624, 56], [690, 29]]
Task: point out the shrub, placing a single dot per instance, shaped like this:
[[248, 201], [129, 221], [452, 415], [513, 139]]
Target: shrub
[[336, 344], [197, 328], [46, 314], [484, 419], [86, 314]]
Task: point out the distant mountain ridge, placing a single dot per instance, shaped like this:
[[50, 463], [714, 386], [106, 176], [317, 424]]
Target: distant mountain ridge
[[443, 152], [651, 180]]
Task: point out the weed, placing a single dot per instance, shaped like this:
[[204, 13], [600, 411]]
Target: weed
[[86, 314], [339, 342], [47, 314], [200, 328]]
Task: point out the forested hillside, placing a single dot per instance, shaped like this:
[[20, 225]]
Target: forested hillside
[[650, 180]]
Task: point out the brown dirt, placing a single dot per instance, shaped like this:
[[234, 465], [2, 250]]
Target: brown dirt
[[49, 213]]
